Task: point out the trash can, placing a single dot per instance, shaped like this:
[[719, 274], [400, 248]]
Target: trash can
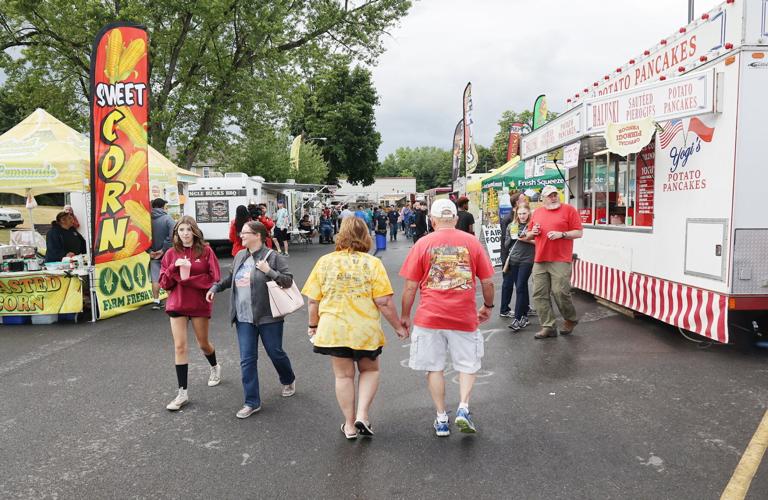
[[381, 242]]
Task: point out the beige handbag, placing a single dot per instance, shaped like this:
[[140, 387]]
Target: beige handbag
[[284, 301]]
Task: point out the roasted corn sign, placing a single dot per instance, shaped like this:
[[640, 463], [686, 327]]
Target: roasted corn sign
[[122, 226]]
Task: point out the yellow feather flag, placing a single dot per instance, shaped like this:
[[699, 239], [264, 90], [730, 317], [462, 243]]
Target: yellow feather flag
[[295, 148]]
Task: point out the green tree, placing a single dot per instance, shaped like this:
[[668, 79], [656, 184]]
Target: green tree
[[430, 165], [486, 161], [501, 139], [215, 66], [23, 93], [267, 155], [339, 105]]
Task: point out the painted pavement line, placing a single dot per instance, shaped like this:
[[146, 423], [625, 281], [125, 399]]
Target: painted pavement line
[[738, 486]]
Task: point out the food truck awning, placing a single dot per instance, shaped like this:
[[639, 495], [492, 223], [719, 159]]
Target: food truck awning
[[43, 155], [477, 184]]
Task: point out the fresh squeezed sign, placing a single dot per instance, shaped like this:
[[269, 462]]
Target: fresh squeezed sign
[[684, 96], [699, 38], [563, 130], [492, 236]]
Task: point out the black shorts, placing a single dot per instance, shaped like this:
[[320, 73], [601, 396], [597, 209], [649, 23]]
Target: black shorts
[[348, 352], [282, 235], [174, 314]]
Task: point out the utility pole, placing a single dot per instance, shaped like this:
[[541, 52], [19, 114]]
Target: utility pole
[[690, 11]]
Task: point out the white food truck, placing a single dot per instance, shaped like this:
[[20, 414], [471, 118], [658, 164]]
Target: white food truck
[[212, 201], [668, 171]]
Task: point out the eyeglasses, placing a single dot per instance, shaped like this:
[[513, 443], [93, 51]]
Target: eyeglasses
[[246, 232]]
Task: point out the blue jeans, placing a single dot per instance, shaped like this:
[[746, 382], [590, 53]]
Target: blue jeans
[[507, 286], [272, 338], [393, 232], [520, 274]]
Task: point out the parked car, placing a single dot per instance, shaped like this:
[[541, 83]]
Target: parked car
[[10, 217]]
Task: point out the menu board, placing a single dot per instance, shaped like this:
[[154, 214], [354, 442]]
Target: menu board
[[212, 211], [646, 166]]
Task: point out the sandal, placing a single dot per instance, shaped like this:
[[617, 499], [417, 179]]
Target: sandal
[[363, 428], [348, 436]]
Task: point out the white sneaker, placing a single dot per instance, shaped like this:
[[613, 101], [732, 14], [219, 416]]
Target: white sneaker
[[215, 377], [289, 390], [180, 400], [246, 411]]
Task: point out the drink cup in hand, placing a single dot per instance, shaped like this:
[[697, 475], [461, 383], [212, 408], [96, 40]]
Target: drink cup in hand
[[185, 268]]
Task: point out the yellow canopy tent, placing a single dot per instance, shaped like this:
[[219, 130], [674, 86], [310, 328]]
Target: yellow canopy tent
[[43, 155]]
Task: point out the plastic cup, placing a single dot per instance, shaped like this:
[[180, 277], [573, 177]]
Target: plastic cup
[[185, 268]]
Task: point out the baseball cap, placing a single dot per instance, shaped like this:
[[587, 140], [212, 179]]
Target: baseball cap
[[443, 208], [548, 190]]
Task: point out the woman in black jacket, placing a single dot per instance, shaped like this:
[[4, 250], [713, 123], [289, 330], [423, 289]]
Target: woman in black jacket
[[62, 239]]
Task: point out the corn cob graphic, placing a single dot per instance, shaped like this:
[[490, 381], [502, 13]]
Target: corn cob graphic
[[139, 216], [131, 243], [132, 128], [130, 57], [114, 51], [131, 170]]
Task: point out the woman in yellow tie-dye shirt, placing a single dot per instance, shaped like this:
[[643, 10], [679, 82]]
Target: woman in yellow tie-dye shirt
[[348, 291]]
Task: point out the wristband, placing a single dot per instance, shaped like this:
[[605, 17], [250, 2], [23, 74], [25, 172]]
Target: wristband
[[488, 306], [311, 326]]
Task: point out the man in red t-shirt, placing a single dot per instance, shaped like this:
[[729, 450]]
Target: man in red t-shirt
[[444, 266], [554, 227]]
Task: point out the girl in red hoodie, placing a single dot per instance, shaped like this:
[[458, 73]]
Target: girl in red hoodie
[[187, 271]]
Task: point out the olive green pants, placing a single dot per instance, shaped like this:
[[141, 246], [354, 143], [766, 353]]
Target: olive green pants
[[552, 278]]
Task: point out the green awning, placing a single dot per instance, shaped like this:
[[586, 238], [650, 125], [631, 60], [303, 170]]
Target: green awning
[[516, 180]]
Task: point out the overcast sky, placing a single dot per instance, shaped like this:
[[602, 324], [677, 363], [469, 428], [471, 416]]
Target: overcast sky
[[511, 51]]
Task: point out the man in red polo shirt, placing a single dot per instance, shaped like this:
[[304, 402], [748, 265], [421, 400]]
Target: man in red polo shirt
[[554, 226]]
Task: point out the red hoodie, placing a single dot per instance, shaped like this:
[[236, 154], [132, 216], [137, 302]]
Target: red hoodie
[[187, 297]]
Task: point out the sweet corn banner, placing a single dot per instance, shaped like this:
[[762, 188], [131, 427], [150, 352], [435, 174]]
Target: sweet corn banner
[[122, 225]]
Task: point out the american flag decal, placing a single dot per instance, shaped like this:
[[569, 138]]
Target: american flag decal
[[671, 129]]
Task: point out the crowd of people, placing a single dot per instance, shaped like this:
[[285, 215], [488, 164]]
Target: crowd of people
[[348, 292]]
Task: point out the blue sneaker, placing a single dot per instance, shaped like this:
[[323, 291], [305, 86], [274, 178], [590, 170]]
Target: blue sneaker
[[442, 429], [464, 421]]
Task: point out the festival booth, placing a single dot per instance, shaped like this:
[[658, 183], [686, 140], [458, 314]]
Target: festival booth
[[495, 190], [667, 169], [43, 155]]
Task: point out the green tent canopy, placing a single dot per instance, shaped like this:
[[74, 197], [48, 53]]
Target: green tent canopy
[[515, 178]]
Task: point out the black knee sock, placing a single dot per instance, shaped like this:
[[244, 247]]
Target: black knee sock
[[211, 358], [181, 375]]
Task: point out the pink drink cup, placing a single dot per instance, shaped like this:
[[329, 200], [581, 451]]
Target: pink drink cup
[[184, 269]]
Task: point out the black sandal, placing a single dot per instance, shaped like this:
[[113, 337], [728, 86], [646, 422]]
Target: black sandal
[[363, 428], [348, 436]]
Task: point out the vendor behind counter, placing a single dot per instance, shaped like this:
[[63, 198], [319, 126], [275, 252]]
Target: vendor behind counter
[[63, 240]]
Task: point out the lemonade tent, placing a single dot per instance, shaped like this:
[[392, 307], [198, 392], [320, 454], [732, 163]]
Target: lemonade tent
[[44, 155]]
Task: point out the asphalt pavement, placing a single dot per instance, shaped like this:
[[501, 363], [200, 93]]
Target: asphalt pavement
[[623, 408]]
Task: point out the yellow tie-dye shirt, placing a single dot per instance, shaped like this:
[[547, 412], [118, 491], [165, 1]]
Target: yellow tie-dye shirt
[[345, 284]]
